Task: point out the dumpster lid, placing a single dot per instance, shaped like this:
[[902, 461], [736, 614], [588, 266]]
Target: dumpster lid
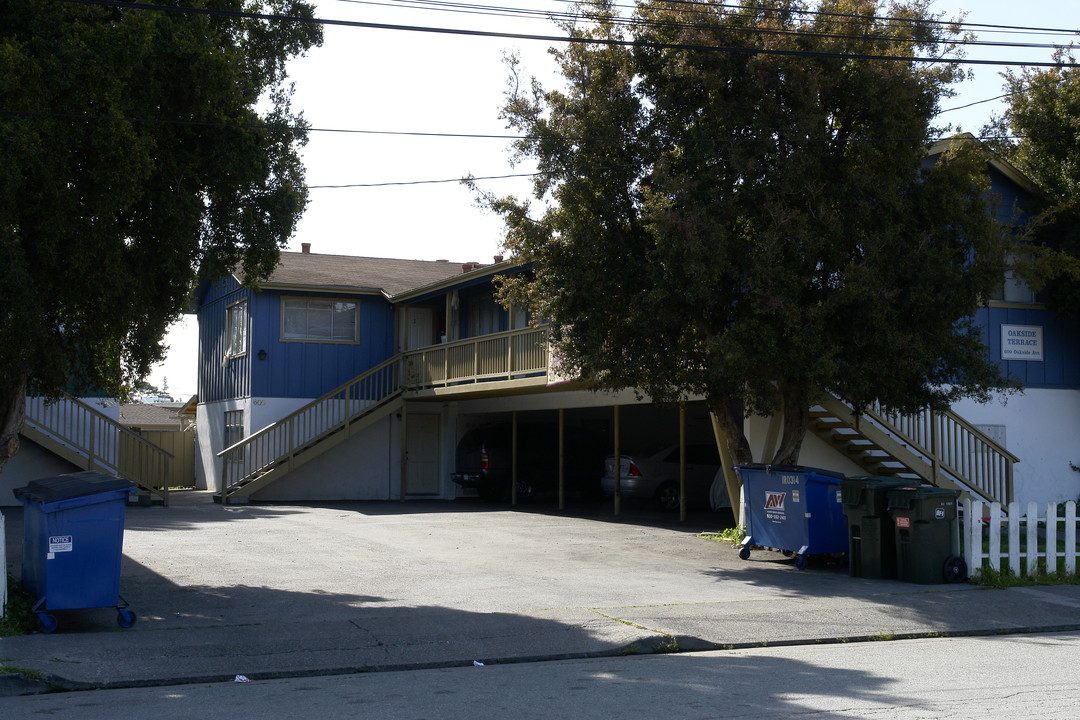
[[73, 485], [801, 469]]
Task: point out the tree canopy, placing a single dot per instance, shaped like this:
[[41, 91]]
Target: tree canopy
[[737, 203], [1038, 134], [139, 147]]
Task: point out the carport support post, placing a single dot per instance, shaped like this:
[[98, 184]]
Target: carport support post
[[618, 462], [513, 458], [682, 462], [403, 415], [562, 459]]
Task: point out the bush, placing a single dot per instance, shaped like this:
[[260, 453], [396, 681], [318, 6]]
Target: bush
[[19, 617]]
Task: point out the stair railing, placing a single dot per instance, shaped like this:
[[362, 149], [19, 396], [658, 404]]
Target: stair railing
[[282, 440], [955, 449], [100, 443]]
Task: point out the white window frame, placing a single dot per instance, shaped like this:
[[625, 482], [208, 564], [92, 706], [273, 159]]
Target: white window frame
[[236, 329], [1014, 290], [306, 337]]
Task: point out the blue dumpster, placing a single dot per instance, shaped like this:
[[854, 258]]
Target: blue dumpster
[[73, 533], [797, 510]]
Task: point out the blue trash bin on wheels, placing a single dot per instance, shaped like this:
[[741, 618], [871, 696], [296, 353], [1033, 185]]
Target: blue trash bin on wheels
[[73, 534], [797, 510]]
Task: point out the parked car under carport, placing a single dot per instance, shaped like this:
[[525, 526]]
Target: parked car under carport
[[653, 476], [484, 460]]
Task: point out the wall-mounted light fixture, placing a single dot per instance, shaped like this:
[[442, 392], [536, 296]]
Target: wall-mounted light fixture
[[262, 355]]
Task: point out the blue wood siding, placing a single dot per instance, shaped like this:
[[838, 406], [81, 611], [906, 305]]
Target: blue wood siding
[[1010, 204], [1060, 367], [221, 378], [311, 369]]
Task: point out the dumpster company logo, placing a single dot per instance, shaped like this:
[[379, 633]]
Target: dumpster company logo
[[775, 500], [774, 506]]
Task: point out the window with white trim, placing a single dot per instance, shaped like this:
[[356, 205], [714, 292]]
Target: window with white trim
[[319, 320], [1015, 289], [236, 329]]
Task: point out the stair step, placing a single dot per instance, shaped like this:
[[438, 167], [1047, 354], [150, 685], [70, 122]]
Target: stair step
[[829, 424]]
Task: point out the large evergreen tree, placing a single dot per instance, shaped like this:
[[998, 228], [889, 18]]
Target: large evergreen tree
[[138, 147], [1040, 134], [738, 204]]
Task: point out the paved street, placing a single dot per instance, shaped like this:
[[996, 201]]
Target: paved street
[[1022, 676], [391, 604]]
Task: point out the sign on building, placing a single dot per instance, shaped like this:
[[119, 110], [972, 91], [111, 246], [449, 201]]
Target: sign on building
[[1022, 342]]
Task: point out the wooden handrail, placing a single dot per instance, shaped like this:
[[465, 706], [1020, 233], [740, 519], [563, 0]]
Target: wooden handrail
[[283, 439], [91, 435], [953, 448]]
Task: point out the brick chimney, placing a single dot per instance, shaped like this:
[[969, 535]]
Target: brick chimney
[[499, 259], [305, 248]]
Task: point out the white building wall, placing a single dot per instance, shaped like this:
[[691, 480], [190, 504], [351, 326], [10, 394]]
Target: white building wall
[[367, 466], [1042, 428]]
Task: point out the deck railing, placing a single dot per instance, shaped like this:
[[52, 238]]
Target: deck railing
[[502, 356], [282, 440], [99, 443]]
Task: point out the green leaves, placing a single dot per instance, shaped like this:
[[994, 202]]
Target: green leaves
[[757, 227], [140, 147]]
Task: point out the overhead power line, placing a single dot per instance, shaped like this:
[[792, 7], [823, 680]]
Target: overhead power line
[[458, 8], [612, 42]]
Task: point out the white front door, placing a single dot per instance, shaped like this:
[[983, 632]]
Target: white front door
[[419, 327]]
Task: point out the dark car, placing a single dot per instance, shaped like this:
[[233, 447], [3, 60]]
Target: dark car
[[484, 460]]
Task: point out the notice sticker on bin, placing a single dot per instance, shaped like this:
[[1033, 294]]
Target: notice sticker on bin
[[903, 522], [939, 513], [60, 543]]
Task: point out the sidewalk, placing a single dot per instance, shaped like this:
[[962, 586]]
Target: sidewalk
[[272, 591]]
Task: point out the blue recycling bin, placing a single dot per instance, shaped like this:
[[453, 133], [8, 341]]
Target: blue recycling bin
[[73, 534], [797, 510]]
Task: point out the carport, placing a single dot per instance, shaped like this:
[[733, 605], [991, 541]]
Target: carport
[[625, 426]]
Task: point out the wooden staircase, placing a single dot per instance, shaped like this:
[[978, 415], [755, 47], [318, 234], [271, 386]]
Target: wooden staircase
[[517, 356], [942, 449], [91, 440], [321, 425]]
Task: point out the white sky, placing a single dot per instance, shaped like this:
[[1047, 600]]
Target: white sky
[[403, 81]]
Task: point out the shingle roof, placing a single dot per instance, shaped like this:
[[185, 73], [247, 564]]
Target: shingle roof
[[151, 415], [358, 273]]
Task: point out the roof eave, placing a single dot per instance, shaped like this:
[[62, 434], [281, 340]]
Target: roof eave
[[999, 163], [453, 280]]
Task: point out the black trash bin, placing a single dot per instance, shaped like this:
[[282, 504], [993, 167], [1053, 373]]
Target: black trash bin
[[794, 509], [73, 533], [927, 535], [871, 540]]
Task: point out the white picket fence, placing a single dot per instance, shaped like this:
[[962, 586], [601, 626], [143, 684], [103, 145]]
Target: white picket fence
[[1019, 542]]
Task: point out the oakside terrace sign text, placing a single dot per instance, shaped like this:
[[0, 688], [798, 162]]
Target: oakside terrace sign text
[[1021, 342]]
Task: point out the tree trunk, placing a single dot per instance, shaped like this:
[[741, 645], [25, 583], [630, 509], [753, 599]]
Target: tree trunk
[[796, 411], [12, 414]]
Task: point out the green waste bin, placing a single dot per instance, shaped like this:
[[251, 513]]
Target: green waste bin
[[927, 535], [871, 540]]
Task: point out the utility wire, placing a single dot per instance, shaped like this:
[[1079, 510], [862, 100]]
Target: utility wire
[[473, 9], [395, 133], [610, 42]]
